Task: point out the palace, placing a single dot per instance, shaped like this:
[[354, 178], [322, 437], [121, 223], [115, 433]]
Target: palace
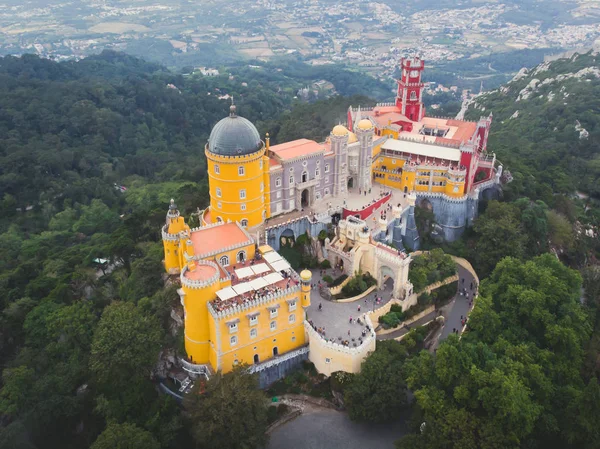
[[443, 161], [242, 302]]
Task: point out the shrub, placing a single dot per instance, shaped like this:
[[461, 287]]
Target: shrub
[[322, 235], [272, 414], [357, 285], [325, 264], [340, 379], [396, 308], [337, 281], [328, 279], [391, 319]]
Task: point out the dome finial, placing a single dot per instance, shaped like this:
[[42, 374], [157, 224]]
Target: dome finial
[[232, 108]]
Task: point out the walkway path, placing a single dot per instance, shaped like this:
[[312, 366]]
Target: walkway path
[[453, 313], [459, 306]]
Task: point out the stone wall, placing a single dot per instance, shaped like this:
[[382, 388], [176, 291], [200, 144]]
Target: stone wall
[[329, 357], [274, 369]]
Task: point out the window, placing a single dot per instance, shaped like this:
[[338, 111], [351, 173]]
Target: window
[[233, 340], [317, 172], [318, 195], [273, 325], [304, 163], [219, 219], [253, 321], [260, 164], [293, 339], [291, 169], [326, 168], [394, 161], [244, 223], [278, 195], [241, 170], [219, 205], [413, 95], [241, 256], [224, 261], [292, 318], [253, 333], [217, 169], [278, 182], [242, 194], [218, 192], [292, 306], [292, 179], [304, 176], [273, 313], [326, 179], [233, 328], [327, 360], [326, 191], [318, 163], [243, 206], [262, 186]]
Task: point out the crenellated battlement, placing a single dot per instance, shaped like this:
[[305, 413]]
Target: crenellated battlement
[[246, 305], [199, 284]]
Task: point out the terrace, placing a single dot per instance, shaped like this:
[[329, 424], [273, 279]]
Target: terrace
[[254, 279]]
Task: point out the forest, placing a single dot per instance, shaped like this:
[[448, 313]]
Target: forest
[[92, 151]]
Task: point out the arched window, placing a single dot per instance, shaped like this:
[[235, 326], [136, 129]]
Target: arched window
[[224, 260], [326, 168], [242, 194], [241, 170], [217, 169], [241, 256], [304, 176], [278, 182], [243, 206], [244, 223], [413, 95], [218, 190], [291, 179], [317, 172]]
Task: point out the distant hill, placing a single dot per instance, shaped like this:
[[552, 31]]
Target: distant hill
[[546, 127]]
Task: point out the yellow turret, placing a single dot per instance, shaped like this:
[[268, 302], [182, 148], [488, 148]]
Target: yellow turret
[[174, 224], [305, 278]]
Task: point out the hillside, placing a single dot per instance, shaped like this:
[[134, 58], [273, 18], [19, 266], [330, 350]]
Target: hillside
[[546, 127]]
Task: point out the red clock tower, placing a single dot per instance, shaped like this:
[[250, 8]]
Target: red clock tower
[[410, 89]]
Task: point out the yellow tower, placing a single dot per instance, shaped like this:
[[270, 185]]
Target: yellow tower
[[174, 224], [236, 172], [455, 184], [305, 278], [199, 284]]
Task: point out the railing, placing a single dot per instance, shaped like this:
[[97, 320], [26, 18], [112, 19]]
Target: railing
[[193, 368], [276, 360]]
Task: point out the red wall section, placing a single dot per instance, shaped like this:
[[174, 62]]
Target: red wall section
[[364, 213]]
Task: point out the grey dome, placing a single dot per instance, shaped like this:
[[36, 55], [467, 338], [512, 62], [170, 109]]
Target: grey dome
[[234, 136]]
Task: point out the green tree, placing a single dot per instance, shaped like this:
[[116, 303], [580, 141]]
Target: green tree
[[125, 436], [499, 234], [378, 392], [230, 414], [125, 346]]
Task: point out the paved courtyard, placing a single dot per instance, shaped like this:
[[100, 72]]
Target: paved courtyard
[[355, 200], [334, 316]]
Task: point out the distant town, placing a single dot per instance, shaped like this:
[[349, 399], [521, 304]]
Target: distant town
[[368, 35]]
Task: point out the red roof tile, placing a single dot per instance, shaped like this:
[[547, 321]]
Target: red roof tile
[[210, 239], [296, 148]]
